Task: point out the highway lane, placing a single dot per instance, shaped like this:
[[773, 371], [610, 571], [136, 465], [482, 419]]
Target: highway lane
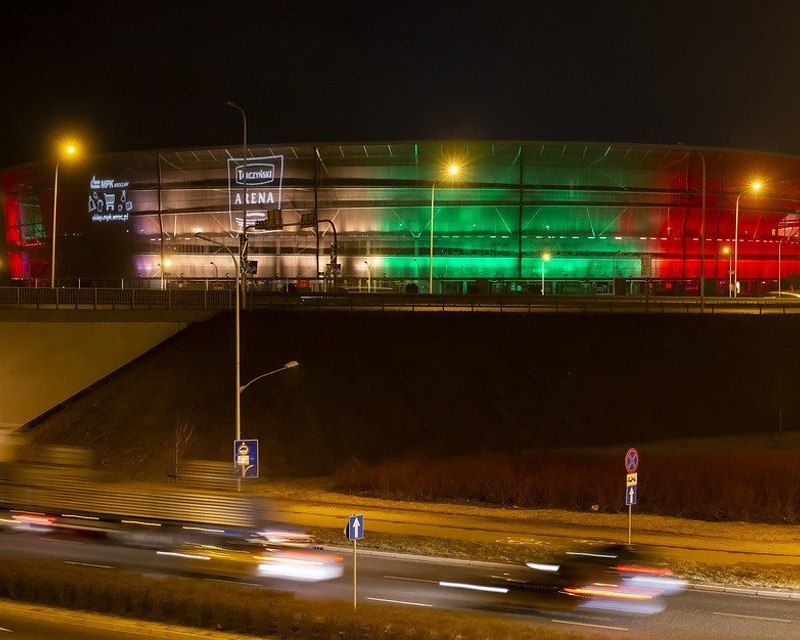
[[409, 582]]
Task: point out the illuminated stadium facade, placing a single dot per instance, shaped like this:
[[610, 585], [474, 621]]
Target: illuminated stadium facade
[[611, 217]]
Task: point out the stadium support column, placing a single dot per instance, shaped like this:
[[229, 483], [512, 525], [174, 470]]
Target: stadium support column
[[703, 238], [521, 205], [160, 220], [316, 209]]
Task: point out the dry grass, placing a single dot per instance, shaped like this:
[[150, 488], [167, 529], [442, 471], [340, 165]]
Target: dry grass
[[730, 485]]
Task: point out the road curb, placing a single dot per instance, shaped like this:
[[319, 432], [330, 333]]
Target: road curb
[[411, 557], [739, 591]]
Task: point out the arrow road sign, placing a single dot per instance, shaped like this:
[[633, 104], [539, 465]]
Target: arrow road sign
[[355, 527], [631, 495], [632, 460]]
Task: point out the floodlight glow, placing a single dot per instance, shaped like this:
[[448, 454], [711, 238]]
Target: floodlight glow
[[453, 169], [756, 186]]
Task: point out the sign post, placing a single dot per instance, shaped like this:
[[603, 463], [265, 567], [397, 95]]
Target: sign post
[[245, 457], [631, 484], [354, 532]]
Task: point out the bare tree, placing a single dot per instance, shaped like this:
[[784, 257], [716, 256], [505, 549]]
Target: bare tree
[[184, 434]]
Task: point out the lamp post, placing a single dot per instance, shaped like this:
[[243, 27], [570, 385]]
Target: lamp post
[[68, 150], [545, 258], [452, 172], [755, 186], [242, 267], [369, 276], [216, 271], [238, 381], [727, 252], [289, 365]]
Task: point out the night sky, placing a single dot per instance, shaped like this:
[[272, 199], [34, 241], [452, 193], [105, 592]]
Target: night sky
[[137, 75]]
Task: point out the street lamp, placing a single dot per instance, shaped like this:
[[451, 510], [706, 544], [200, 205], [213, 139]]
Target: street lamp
[[232, 104], [727, 252], [545, 258], [289, 365], [452, 171], [369, 276], [238, 381], [216, 271], [754, 186], [67, 151]]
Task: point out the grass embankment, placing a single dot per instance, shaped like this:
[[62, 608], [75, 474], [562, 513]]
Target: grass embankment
[[239, 608], [721, 485]]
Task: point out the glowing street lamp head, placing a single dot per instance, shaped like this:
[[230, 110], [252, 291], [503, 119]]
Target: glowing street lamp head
[[167, 263], [756, 185], [453, 169], [69, 149], [546, 256], [726, 250]]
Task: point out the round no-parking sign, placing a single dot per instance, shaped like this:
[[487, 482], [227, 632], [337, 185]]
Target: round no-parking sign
[[631, 460]]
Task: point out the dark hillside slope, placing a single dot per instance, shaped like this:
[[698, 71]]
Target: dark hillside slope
[[380, 385]]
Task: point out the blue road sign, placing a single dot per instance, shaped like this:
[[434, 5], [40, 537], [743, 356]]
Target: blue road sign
[[245, 457], [355, 527], [631, 460], [631, 495]]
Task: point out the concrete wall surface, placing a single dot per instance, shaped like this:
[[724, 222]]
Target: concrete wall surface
[[45, 363]]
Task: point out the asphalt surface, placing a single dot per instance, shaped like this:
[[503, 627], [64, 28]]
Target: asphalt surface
[[415, 583]]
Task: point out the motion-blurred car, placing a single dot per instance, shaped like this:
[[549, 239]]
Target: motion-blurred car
[[254, 561], [614, 577]]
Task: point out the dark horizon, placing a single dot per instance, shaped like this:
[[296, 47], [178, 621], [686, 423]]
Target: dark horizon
[[145, 75]]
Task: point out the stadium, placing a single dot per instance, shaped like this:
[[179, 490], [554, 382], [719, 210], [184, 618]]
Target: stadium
[[574, 218]]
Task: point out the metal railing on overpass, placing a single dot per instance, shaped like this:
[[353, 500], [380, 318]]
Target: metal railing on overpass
[[199, 299]]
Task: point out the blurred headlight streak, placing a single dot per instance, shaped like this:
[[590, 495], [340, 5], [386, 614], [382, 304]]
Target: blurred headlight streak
[[543, 567], [302, 567], [473, 587]]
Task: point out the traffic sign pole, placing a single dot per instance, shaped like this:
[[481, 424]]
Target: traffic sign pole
[[631, 482], [355, 531], [355, 574], [630, 517]]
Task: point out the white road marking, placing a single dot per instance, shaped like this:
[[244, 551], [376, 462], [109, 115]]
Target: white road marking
[[411, 579], [415, 604], [741, 615], [6, 630], [89, 564], [586, 624]]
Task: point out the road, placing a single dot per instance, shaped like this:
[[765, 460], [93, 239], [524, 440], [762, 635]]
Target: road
[[395, 580]]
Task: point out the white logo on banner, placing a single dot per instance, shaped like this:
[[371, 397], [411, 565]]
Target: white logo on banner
[[258, 185]]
